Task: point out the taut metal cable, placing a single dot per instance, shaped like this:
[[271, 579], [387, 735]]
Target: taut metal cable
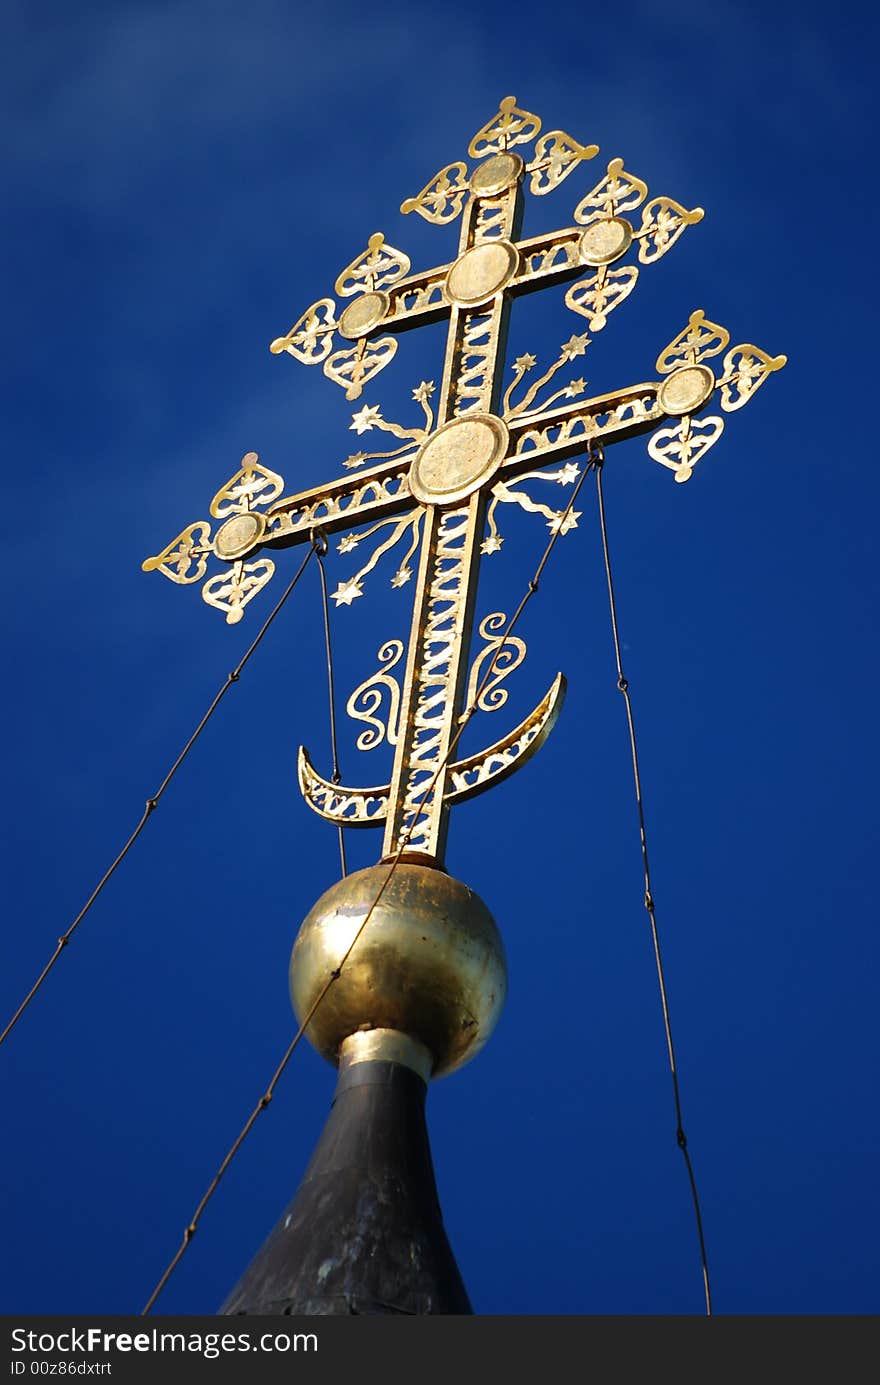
[[595, 458], [623, 686], [336, 778], [153, 802]]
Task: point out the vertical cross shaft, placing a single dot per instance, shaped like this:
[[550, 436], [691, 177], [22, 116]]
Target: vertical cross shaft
[[446, 587]]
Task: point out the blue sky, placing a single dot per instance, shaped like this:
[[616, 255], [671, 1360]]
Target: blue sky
[[180, 182]]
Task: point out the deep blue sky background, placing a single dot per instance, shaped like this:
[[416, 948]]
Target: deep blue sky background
[[180, 181]]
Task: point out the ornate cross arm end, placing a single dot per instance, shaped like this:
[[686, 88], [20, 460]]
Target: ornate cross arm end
[[690, 384], [663, 221], [509, 127], [310, 339], [608, 235], [184, 559], [239, 537], [556, 156], [231, 591], [374, 269], [356, 367], [441, 200], [365, 281], [744, 371]]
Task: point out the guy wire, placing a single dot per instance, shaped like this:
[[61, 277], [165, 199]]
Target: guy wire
[[623, 686], [320, 539], [594, 461], [153, 802]]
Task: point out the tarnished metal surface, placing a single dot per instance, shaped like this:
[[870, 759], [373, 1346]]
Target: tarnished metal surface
[[364, 1234]]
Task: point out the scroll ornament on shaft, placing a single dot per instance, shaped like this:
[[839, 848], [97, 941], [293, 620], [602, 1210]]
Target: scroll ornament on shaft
[[366, 701], [185, 559], [690, 384], [499, 654], [608, 235]]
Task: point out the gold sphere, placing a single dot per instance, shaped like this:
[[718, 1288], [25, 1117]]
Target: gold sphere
[[430, 963]]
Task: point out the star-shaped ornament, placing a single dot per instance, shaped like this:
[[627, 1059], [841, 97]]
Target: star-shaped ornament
[[401, 576], [568, 474], [365, 418], [347, 592], [526, 362], [346, 545], [575, 346], [492, 544], [563, 523]]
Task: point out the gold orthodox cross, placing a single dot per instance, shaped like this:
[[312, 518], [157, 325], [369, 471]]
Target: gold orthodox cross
[[439, 491]]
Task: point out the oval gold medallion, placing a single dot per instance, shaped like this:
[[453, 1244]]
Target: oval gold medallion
[[481, 272], [605, 241], [238, 535], [496, 175], [361, 316], [458, 459], [686, 390]]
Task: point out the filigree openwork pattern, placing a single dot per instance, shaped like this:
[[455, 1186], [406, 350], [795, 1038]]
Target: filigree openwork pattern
[[185, 559], [608, 235], [430, 502], [690, 383], [556, 155]]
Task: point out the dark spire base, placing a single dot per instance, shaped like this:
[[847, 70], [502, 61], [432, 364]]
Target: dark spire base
[[364, 1234]]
